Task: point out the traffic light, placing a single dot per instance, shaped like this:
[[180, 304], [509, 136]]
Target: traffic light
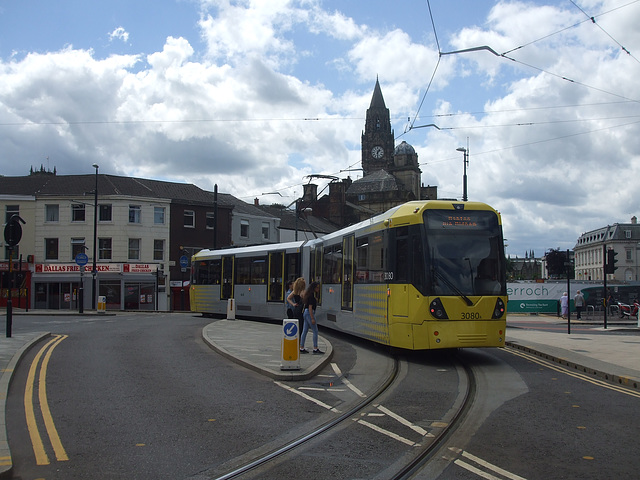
[[611, 261]]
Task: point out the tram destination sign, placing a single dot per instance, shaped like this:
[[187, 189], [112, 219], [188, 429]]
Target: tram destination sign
[[467, 220]]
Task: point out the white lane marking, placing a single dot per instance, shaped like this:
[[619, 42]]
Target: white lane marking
[[320, 389], [475, 470], [484, 464], [304, 395], [338, 372], [492, 467], [387, 433], [404, 421]]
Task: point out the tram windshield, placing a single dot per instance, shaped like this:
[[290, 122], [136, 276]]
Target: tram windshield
[[465, 253]]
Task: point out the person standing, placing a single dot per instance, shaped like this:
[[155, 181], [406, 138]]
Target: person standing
[[310, 304], [294, 299], [579, 303], [288, 307], [564, 305]]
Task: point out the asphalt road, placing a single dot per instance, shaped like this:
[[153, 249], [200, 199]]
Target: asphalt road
[[141, 396]]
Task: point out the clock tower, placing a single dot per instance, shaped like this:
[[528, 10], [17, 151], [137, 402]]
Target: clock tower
[[377, 138]]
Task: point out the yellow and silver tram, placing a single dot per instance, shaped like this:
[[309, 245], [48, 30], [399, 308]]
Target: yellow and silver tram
[[424, 275]]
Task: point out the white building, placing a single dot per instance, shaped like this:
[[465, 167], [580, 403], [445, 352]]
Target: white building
[[622, 238]]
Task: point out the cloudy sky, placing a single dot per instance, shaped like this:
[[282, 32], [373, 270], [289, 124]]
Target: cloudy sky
[[254, 95]]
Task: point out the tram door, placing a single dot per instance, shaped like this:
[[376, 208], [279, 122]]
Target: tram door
[[226, 290], [347, 272], [276, 269]]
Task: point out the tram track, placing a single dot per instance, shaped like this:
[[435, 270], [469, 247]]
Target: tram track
[[406, 468], [459, 412]]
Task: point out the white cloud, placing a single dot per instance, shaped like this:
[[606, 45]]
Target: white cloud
[[261, 103], [119, 33]]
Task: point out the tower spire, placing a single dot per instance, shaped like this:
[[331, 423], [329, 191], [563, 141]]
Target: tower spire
[[377, 100]]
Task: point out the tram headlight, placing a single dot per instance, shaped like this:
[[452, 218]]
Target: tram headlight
[[499, 309], [437, 309]]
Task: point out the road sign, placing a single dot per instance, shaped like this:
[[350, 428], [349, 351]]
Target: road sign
[[184, 261], [290, 330], [82, 259], [290, 345], [12, 232]]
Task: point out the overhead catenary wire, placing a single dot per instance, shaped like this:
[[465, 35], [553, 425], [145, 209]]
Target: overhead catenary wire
[[504, 55], [589, 19], [593, 20]]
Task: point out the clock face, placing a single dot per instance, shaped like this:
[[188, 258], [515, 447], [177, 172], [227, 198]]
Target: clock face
[[377, 152]]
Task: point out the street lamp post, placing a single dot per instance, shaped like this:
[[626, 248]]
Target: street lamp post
[[465, 157], [95, 239]]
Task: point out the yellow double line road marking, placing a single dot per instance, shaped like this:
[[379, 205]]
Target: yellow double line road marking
[[36, 440], [578, 375]]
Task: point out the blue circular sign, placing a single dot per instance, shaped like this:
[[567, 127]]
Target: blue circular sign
[[82, 259], [184, 261], [290, 330]]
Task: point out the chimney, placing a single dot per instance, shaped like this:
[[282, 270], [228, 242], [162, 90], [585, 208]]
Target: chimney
[[634, 220], [256, 202], [309, 196]]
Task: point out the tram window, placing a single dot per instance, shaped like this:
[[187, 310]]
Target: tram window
[[215, 272], [258, 271], [243, 271], [207, 272], [402, 260], [362, 260], [251, 271], [370, 259], [332, 264], [292, 268], [315, 273]]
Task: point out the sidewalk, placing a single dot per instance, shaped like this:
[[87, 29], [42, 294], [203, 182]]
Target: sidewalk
[[613, 354]]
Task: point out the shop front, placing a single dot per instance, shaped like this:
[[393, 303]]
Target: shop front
[[15, 281], [126, 286]]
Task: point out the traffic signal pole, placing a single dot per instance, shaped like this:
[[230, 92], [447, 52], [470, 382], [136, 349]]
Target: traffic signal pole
[[604, 271]]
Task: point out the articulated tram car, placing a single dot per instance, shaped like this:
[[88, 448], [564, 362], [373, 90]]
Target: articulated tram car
[[424, 275]]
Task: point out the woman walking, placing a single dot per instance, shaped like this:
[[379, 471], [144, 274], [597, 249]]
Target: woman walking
[[310, 304]]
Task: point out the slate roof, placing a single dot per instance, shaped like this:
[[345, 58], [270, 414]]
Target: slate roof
[[378, 181], [243, 207], [82, 185], [308, 223]]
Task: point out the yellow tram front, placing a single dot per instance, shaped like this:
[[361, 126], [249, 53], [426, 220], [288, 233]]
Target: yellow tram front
[[452, 254]]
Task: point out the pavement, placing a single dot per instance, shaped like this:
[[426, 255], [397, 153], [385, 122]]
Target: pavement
[[611, 354]]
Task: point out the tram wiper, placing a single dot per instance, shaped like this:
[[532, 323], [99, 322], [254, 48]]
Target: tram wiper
[[451, 286]]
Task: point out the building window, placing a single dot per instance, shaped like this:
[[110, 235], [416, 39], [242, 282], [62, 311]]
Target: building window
[[158, 249], [244, 228], [104, 212], [211, 218], [104, 248], [77, 246], [158, 215], [51, 213], [77, 212], [135, 214], [134, 249], [11, 210], [627, 233], [629, 255], [189, 218], [12, 252], [51, 248], [265, 231]]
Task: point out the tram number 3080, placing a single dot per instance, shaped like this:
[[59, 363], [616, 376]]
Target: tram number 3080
[[470, 316]]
